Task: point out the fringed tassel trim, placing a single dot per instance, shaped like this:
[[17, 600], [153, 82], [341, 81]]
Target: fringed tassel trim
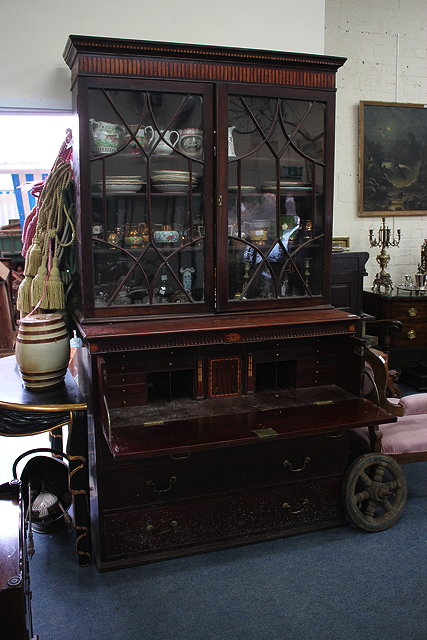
[[33, 259], [55, 288], [23, 300], [39, 286]]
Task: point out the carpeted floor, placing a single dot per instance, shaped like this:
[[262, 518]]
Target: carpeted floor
[[340, 584]]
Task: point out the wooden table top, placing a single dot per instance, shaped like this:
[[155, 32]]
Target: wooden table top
[[13, 394]]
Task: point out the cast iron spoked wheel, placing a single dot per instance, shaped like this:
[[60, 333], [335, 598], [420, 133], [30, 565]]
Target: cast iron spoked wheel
[[374, 492]]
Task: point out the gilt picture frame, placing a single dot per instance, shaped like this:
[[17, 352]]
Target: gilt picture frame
[[341, 243], [392, 159]]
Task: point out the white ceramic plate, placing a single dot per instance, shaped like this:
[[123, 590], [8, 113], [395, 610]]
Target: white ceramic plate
[[173, 188]]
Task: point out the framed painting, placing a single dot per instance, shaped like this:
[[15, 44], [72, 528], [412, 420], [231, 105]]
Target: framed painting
[[340, 243], [392, 159]]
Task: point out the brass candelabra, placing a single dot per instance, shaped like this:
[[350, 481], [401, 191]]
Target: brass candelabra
[[384, 240], [422, 265]]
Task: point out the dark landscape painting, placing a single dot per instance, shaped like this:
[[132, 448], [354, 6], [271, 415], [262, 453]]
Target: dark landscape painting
[[393, 159]]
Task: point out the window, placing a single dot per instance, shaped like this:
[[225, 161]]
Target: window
[[28, 149]]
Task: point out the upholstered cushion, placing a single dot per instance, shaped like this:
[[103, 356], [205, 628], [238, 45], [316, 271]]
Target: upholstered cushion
[[408, 434], [415, 404]]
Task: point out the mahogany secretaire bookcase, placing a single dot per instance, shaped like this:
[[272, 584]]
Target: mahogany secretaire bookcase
[[221, 382]]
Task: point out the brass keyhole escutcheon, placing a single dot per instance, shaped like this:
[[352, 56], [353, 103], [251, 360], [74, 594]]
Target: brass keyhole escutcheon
[[411, 334], [412, 312]]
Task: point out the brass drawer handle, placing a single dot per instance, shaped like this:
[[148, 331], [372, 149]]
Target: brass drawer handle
[[305, 502], [411, 334], [287, 463], [412, 312], [339, 434], [157, 531], [152, 484], [176, 456]]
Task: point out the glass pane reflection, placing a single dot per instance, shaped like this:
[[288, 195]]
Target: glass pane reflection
[[276, 210], [148, 218]]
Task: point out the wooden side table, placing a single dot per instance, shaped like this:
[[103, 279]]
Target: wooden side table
[[409, 347], [25, 413]]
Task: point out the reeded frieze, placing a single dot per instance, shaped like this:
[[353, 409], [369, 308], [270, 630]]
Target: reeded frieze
[[189, 70], [194, 339]]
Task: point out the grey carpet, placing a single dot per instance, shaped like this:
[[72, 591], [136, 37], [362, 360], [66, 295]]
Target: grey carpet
[[340, 584]]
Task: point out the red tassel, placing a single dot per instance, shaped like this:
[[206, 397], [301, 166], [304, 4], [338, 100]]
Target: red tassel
[[30, 223], [29, 230]]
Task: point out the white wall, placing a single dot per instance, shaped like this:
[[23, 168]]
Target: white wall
[[381, 66], [385, 42], [33, 35]]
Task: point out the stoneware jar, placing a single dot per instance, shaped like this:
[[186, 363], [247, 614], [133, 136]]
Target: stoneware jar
[[42, 350], [191, 142]]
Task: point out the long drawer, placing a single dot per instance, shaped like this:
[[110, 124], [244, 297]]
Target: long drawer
[[145, 534], [168, 479]]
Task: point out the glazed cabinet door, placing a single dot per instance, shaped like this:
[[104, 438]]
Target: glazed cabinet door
[[274, 197], [146, 183]]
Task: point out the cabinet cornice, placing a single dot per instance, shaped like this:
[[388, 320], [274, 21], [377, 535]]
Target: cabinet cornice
[[134, 58]]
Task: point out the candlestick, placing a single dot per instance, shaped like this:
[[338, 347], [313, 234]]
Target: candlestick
[[384, 240], [422, 265]]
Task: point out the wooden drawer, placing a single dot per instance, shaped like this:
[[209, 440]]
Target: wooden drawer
[[150, 361], [414, 309], [283, 350], [316, 372], [127, 395], [414, 336], [124, 378], [227, 519], [207, 473], [411, 311], [413, 316]]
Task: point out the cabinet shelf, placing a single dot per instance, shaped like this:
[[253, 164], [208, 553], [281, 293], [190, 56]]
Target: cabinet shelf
[[283, 193], [135, 251], [139, 194]]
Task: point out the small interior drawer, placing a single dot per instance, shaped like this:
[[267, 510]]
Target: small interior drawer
[[126, 395], [126, 378]]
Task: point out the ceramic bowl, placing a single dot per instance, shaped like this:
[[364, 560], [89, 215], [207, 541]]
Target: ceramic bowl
[[167, 237], [133, 241]]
